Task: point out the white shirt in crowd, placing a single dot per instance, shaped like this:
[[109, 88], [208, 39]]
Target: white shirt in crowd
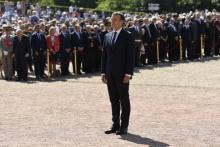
[[70, 9]]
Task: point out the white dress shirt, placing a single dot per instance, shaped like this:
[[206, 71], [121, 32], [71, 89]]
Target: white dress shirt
[[118, 32]]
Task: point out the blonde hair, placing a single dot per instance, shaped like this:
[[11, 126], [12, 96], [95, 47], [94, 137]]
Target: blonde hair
[[51, 29]]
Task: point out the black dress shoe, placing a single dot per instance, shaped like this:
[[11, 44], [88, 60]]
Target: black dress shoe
[[25, 80], [18, 80], [38, 78], [111, 130], [122, 131]]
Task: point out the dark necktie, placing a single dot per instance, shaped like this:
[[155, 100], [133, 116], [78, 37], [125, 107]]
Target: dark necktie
[[78, 36], [155, 26], [113, 39], [38, 35], [148, 30], [98, 36]]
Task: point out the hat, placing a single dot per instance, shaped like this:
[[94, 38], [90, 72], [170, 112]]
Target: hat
[[5, 26]]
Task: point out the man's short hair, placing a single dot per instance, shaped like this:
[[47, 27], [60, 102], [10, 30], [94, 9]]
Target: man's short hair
[[36, 26], [122, 17]]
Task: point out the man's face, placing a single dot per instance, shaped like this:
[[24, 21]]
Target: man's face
[[7, 31], [136, 22], [146, 21], [64, 29], [19, 33], [187, 22], [78, 29], [38, 29], [116, 22]]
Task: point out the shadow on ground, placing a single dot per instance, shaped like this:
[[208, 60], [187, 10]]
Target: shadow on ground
[[143, 141]]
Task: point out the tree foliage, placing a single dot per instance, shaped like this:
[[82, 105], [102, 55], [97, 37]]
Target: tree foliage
[[137, 5]]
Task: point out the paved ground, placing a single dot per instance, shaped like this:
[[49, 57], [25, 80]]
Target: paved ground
[[172, 105]]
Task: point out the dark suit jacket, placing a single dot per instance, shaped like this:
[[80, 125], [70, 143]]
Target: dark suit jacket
[[38, 44], [76, 41], [97, 40], [90, 38], [102, 35], [146, 38], [118, 59], [20, 48], [154, 32], [134, 32], [187, 35], [200, 27], [172, 34], [65, 42]]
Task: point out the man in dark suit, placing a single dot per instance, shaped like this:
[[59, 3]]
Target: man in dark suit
[[198, 31], [209, 36], [146, 39], [21, 52], [39, 47], [154, 31], [173, 42], [29, 31], [78, 43], [90, 43], [187, 37], [217, 36], [65, 50], [97, 48], [117, 69], [137, 34]]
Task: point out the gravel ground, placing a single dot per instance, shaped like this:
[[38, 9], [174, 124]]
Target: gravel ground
[[172, 105]]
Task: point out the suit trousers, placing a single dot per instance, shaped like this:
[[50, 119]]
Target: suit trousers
[[119, 98]]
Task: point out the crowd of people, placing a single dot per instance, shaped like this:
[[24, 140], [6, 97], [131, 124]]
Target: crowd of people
[[50, 39]]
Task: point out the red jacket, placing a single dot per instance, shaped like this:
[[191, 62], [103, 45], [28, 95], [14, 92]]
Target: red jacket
[[56, 43]]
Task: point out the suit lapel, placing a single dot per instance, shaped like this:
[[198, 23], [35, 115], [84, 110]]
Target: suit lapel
[[117, 42]]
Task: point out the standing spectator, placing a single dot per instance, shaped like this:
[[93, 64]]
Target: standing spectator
[[146, 39], [39, 46], [154, 31], [53, 44], [21, 51], [7, 47], [187, 38], [19, 8], [78, 43], [34, 18], [71, 9], [65, 50]]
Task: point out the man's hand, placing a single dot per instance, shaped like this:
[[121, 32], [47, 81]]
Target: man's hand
[[80, 49], [36, 53], [5, 53], [68, 50], [126, 79], [26, 55], [104, 80], [52, 51]]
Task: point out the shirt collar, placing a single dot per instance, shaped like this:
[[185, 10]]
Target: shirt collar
[[118, 31]]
